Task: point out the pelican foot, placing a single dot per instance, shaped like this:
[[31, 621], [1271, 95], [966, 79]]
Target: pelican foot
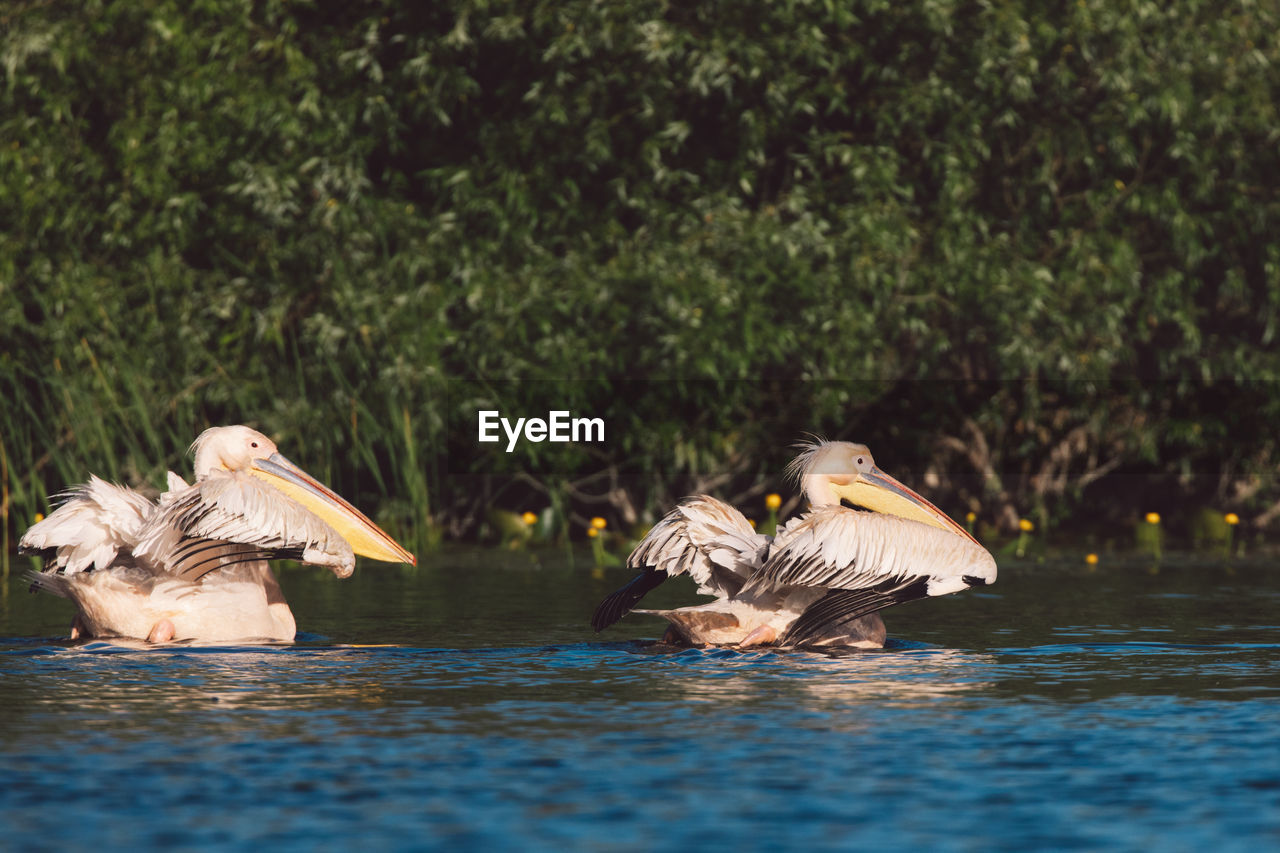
[[162, 632], [762, 636], [77, 628]]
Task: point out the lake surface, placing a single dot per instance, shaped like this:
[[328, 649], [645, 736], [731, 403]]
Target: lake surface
[[466, 704]]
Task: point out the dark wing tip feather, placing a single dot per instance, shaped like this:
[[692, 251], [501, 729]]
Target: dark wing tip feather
[[839, 607], [619, 603], [828, 613], [196, 558], [48, 564]]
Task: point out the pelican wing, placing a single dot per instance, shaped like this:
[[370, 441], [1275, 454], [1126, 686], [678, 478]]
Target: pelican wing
[[702, 537], [839, 609], [866, 562], [94, 523], [231, 517], [708, 540]]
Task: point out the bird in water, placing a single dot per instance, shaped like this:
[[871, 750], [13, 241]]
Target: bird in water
[[825, 575], [192, 565]]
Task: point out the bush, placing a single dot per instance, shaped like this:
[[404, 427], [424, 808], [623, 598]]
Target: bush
[[1025, 254]]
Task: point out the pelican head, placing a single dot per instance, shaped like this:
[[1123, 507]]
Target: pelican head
[[245, 450], [831, 471], [230, 448]]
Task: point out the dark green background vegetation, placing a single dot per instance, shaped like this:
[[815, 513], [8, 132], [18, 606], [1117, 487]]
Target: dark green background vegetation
[[1025, 251]]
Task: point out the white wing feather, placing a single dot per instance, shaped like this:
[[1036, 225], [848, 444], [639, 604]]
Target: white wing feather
[[89, 529], [838, 548], [708, 540], [177, 486], [238, 508]]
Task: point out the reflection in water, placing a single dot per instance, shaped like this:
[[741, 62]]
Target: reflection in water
[[903, 678], [123, 676]]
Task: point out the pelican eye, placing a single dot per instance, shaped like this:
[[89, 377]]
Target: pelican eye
[[253, 444]]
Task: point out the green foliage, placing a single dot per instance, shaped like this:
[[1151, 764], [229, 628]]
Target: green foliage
[[1020, 251]]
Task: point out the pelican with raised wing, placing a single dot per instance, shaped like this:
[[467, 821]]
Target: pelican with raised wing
[[823, 578], [193, 564]]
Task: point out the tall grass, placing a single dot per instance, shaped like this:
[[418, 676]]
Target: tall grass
[[111, 410]]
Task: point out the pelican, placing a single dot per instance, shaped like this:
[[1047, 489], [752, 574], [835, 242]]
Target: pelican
[[823, 578], [193, 564]]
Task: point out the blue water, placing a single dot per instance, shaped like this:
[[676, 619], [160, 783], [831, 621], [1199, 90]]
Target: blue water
[[1129, 708]]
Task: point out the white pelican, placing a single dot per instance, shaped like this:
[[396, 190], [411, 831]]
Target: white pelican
[[823, 578], [193, 565]]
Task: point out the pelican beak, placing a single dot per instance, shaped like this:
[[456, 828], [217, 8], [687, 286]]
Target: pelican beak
[[878, 492], [366, 538]]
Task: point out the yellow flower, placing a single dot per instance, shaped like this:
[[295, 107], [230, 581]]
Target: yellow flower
[[752, 522], [971, 517], [1231, 518], [529, 518], [1091, 559], [1025, 525], [598, 523], [331, 203], [1153, 518], [772, 501], [39, 516], [592, 532]]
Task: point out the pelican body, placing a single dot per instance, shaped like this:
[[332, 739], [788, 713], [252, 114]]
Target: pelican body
[[192, 565], [825, 575]]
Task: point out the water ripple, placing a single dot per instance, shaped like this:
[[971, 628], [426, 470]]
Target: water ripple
[[1009, 723]]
